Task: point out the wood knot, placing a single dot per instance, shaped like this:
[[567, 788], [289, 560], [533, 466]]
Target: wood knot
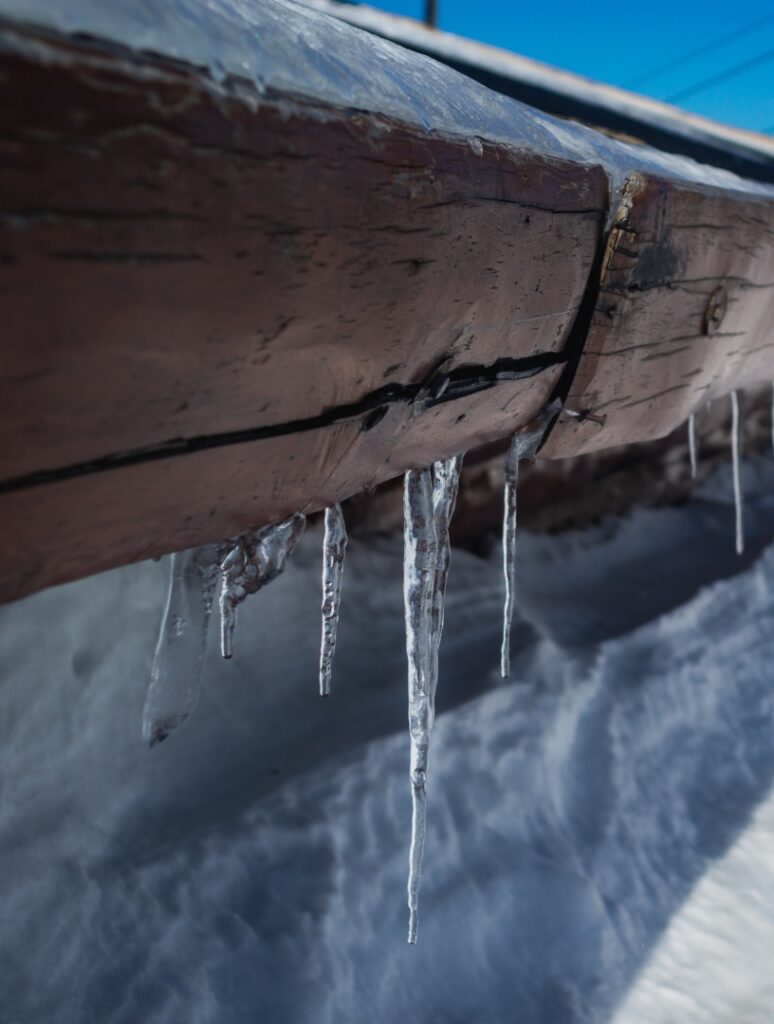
[[715, 311]]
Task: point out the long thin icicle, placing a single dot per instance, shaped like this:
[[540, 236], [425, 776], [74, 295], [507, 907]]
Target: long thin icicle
[[253, 560], [735, 452], [692, 446], [772, 416], [509, 550], [334, 549], [428, 503], [446, 481], [524, 445], [177, 663]]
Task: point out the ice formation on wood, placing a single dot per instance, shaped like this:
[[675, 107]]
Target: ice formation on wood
[[509, 550], [253, 560], [446, 479], [428, 503], [735, 452], [692, 446], [177, 663], [523, 446], [334, 549]]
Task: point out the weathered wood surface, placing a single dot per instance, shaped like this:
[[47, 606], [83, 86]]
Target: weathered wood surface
[[684, 314], [207, 300], [222, 305], [68, 528], [565, 94]]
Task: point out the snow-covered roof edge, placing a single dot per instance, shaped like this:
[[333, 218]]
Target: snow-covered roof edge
[[292, 48], [600, 99]]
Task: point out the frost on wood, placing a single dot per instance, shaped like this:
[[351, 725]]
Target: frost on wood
[[253, 560], [428, 503], [334, 548], [692, 446], [177, 663], [523, 446], [735, 453]]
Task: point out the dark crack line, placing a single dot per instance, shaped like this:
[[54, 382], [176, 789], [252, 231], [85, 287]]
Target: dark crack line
[[460, 382]]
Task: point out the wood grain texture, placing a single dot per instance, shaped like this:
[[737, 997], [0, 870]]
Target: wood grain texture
[[685, 314], [205, 296], [68, 528]]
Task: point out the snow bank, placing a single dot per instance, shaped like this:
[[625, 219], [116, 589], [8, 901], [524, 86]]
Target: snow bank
[[589, 828]]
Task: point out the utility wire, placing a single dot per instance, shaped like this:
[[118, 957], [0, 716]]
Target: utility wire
[[721, 76], [712, 44]]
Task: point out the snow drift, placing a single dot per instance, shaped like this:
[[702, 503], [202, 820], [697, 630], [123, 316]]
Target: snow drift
[[598, 829]]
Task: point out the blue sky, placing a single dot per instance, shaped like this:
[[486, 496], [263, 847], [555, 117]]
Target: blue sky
[[615, 42]]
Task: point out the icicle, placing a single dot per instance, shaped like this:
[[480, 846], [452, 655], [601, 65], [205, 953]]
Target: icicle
[[334, 548], [254, 560], [523, 446], [428, 502], [177, 663], [692, 447], [419, 568], [772, 416], [735, 451], [509, 550], [446, 480]]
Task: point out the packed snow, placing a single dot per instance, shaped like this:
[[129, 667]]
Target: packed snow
[[601, 829]]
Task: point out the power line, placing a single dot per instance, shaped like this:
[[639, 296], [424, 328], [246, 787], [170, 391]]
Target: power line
[[677, 62], [722, 76]]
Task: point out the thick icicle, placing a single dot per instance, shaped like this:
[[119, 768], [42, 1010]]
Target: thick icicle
[[334, 549], [177, 663], [523, 446], [253, 560], [428, 502], [692, 447], [735, 452], [419, 568]]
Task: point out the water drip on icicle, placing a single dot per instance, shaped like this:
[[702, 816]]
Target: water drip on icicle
[[177, 663], [692, 444], [524, 445], [429, 497], [254, 559], [735, 452], [334, 549]]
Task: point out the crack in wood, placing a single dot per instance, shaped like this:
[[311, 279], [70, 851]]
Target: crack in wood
[[461, 382]]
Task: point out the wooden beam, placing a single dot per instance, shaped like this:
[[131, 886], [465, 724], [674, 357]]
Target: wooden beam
[[210, 300], [229, 296], [684, 314], [565, 94]]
